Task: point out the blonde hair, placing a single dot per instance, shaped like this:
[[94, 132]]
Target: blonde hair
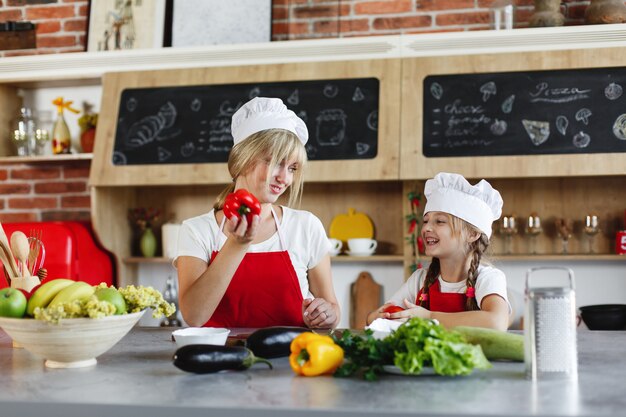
[[276, 144], [475, 249]]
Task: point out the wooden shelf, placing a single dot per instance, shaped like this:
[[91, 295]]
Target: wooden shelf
[[46, 158], [576, 257], [142, 260], [339, 259]]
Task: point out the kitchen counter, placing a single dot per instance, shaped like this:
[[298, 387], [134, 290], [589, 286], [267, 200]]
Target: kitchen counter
[[137, 378]]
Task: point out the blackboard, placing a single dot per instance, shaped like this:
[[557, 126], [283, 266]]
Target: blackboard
[[191, 124], [525, 113]]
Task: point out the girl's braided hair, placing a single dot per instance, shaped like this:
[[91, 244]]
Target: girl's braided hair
[[475, 249]]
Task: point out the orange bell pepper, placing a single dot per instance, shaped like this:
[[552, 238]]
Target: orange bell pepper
[[313, 354]]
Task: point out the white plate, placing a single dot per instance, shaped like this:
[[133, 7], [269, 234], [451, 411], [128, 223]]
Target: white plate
[[426, 371], [359, 253]]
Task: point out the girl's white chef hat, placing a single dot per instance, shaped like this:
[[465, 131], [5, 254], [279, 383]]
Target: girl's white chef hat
[[262, 113], [479, 205]]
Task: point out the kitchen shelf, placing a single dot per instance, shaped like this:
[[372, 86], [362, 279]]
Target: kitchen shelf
[[558, 257], [372, 258], [338, 259], [46, 158]]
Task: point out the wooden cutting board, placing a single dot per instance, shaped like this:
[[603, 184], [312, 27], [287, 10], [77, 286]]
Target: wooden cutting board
[[366, 295]]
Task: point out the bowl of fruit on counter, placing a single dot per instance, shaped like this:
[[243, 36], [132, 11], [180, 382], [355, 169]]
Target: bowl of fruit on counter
[[70, 323]]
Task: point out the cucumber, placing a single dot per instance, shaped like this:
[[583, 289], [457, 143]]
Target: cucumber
[[496, 344]]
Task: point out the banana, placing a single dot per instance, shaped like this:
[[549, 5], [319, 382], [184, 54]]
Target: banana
[[79, 290], [45, 293]]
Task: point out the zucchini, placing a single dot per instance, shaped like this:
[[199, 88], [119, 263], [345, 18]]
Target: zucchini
[[496, 344]]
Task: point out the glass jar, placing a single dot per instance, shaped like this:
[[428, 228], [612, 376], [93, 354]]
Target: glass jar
[[23, 133]]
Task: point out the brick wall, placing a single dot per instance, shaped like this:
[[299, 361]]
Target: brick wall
[[36, 192], [59, 191]]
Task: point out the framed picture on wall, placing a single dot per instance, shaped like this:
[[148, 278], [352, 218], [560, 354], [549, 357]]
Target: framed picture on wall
[[218, 22], [125, 24]]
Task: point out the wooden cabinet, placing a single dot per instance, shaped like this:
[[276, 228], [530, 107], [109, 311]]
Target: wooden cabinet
[[552, 185]]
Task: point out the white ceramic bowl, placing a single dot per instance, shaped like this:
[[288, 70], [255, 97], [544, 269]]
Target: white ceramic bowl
[[72, 343], [201, 336]]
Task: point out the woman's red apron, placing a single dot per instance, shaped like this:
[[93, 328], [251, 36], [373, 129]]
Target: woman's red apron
[[445, 302], [263, 292]]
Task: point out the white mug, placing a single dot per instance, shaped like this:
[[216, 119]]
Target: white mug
[[335, 246], [362, 246]]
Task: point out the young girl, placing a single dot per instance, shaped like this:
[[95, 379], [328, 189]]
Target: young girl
[[274, 270], [457, 289]]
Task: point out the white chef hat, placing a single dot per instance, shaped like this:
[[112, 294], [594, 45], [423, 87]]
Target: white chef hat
[[479, 205], [262, 113]]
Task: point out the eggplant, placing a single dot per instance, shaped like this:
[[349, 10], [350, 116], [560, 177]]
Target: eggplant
[[273, 342], [206, 359]]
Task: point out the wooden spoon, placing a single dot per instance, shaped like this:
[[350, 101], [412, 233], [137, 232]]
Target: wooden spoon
[[21, 248]]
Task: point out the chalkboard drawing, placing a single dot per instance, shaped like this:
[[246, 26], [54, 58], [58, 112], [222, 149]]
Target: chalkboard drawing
[[187, 149], [619, 127], [372, 120], [311, 150], [358, 95], [538, 131], [119, 158], [195, 105], [498, 127], [303, 115], [488, 89], [581, 140], [254, 92], [561, 124], [613, 91], [436, 90], [507, 104], [583, 115], [331, 127], [362, 148], [331, 90], [543, 93], [163, 154], [294, 98], [147, 129], [219, 127], [131, 104]]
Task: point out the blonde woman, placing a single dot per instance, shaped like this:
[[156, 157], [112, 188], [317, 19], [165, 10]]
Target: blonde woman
[[456, 289], [274, 270]]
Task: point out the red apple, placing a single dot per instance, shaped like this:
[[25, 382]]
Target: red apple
[[12, 303]]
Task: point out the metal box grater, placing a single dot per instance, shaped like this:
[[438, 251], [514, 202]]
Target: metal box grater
[[550, 329]]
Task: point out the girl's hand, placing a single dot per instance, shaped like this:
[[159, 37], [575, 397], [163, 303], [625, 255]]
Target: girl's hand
[[382, 314], [239, 229], [318, 313], [412, 310]]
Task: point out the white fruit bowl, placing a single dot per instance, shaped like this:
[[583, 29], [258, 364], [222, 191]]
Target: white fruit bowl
[[72, 343]]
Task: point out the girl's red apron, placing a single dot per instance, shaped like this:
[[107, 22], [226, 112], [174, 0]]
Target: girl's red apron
[[445, 302], [263, 292]]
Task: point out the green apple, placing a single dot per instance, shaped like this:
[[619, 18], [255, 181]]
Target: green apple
[[12, 303], [114, 297]]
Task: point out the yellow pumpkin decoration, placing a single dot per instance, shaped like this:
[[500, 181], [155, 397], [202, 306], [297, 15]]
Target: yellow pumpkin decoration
[[352, 225]]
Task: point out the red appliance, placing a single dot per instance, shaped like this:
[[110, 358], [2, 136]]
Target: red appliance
[[72, 251]]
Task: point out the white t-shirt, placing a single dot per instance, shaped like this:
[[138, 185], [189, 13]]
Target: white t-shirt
[[490, 280], [304, 234]]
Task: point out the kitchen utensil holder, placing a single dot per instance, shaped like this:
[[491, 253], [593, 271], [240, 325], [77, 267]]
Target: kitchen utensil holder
[[550, 335]]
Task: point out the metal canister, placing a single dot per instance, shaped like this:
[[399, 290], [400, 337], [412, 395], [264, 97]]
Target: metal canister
[[550, 334]]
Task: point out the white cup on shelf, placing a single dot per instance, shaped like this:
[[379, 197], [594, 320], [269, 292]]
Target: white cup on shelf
[[169, 239], [335, 246], [362, 246]]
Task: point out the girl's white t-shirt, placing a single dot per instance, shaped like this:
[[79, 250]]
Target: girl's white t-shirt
[[304, 234], [490, 281]]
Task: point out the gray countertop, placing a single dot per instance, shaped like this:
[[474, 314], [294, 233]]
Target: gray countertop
[[137, 378]]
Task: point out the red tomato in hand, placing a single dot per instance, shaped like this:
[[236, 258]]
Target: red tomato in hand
[[393, 309]]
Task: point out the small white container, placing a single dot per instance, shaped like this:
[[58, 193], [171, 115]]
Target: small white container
[[200, 336]]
